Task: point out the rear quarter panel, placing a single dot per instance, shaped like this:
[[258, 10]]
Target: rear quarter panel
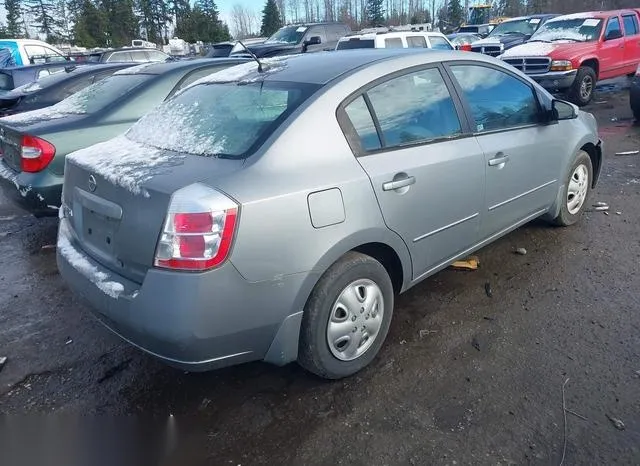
[[308, 154]]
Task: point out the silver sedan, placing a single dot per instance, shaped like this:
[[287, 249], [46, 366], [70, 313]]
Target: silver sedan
[[272, 212]]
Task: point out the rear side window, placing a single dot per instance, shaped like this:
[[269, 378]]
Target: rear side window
[[439, 43], [335, 32], [412, 108], [630, 25], [355, 44], [362, 122], [416, 41], [497, 99], [224, 120], [393, 43], [155, 55], [120, 57], [139, 56]]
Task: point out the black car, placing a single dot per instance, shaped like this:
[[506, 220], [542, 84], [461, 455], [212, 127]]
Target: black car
[[634, 94], [16, 76], [510, 33], [51, 89], [129, 55], [299, 38]]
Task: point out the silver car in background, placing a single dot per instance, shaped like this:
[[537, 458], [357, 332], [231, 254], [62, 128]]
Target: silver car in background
[[273, 214]]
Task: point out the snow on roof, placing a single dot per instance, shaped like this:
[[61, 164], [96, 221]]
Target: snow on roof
[[136, 69], [124, 162]]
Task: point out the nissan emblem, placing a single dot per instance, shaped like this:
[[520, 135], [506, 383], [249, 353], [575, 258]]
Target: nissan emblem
[[92, 183]]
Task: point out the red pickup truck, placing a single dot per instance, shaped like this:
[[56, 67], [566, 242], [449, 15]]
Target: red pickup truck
[[571, 53]]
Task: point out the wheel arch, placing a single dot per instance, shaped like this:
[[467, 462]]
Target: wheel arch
[[595, 154], [592, 62], [380, 243]]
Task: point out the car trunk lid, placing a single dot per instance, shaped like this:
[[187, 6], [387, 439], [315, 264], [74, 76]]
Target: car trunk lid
[[10, 147], [116, 196]]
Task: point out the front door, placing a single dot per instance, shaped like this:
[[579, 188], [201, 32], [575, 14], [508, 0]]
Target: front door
[[521, 157], [612, 50], [426, 170]]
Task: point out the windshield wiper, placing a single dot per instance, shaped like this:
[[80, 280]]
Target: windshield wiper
[[540, 40], [566, 38]]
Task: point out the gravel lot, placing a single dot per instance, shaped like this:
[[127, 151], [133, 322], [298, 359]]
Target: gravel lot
[[463, 379]]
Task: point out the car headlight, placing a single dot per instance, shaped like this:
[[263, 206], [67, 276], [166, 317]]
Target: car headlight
[[561, 65]]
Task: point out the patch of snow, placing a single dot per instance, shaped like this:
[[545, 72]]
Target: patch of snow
[[79, 262], [571, 16], [125, 162], [28, 88], [175, 127], [241, 73], [8, 218], [8, 174], [136, 69], [529, 49], [53, 207]]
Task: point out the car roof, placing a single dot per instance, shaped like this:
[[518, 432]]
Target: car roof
[[541, 16], [158, 68], [72, 67], [322, 67], [372, 35], [603, 14]]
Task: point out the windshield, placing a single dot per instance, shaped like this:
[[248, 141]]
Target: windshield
[[355, 44], [288, 35], [573, 29], [525, 27], [220, 119]]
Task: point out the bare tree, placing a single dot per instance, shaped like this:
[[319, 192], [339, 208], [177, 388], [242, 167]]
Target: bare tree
[[294, 10], [282, 10], [244, 22]]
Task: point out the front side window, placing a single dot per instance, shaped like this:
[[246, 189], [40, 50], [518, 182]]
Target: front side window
[[393, 43], [416, 42], [630, 25], [287, 35], [412, 108], [355, 43], [498, 100], [613, 26]]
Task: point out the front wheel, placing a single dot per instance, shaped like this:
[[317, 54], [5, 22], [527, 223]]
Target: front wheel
[[346, 318], [576, 190], [583, 87]]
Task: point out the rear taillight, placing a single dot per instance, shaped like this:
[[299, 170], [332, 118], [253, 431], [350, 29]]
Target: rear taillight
[[466, 47], [36, 153], [198, 231]]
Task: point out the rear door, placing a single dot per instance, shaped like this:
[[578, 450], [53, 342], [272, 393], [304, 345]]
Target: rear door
[[612, 50], [522, 158], [632, 41], [426, 170]]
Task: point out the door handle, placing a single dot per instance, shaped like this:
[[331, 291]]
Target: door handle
[[499, 159], [397, 184]]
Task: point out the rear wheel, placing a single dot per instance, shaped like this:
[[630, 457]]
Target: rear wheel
[[576, 190], [346, 318], [583, 87]]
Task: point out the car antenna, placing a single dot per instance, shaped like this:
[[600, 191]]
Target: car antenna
[[252, 55]]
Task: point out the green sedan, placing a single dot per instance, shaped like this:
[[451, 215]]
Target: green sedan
[[33, 145]]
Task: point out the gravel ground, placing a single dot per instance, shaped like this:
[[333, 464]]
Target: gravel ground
[[463, 379]]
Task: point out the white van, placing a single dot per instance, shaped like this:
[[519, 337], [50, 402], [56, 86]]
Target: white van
[[395, 39]]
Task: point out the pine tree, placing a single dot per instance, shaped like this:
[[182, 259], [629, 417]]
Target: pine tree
[[375, 12], [455, 13], [510, 8], [208, 27], [14, 23], [89, 24], [63, 21], [121, 24], [42, 12], [271, 20]]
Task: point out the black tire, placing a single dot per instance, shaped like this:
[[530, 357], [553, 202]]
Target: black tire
[[314, 353], [585, 75], [566, 218]]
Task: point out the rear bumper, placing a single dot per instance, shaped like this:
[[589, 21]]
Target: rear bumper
[[193, 321], [634, 95], [555, 80], [38, 193]]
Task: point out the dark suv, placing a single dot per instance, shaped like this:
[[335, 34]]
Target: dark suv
[[299, 38], [510, 33]]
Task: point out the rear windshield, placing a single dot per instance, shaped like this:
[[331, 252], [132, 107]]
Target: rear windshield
[[355, 44], [226, 120], [97, 96]]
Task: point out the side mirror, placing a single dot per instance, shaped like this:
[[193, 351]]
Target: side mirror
[[314, 40], [561, 110], [612, 35]]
